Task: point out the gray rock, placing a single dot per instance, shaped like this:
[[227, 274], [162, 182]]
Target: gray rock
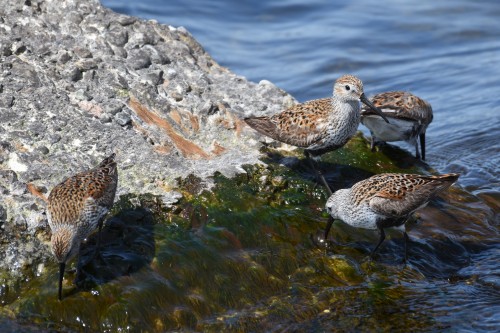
[[63, 57], [43, 150], [154, 77], [117, 36], [87, 82], [5, 48], [72, 74], [82, 52], [114, 107], [54, 138], [123, 118], [8, 176], [3, 215], [138, 59], [87, 64], [6, 101]]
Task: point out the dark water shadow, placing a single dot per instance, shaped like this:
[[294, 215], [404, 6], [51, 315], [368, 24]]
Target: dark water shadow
[[402, 158], [337, 176], [127, 245]]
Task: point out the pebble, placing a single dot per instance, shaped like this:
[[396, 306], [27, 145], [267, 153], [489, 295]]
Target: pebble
[[122, 118]]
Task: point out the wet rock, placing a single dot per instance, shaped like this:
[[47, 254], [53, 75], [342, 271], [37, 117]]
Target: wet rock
[[78, 81]]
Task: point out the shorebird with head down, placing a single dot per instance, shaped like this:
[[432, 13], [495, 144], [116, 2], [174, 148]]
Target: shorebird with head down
[[385, 200], [320, 125], [77, 206]]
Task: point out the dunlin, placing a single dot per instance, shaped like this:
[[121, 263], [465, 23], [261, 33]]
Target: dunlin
[[384, 201], [320, 125], [77, 206], [409, 115]]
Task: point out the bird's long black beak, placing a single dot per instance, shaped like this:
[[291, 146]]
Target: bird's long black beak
[[61, 275], [365, 100]]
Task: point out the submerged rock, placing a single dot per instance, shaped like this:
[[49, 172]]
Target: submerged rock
[[79, 81]]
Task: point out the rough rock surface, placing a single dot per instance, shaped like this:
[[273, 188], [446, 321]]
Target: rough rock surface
[[79, 81]]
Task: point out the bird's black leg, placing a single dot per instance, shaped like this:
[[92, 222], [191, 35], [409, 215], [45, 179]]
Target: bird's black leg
[[407, 240], [328, 227], [97, 253], [417, 151], [380, 241], [99, 234], [319, 174], [372, 143], [422, 145]]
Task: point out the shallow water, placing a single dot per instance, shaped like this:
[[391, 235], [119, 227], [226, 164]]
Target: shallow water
[[256, 268]]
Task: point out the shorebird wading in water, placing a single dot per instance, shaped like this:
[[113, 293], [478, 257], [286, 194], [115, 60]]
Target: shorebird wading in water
[[320, 125], [409, 115], [77, 206], [385, 200]]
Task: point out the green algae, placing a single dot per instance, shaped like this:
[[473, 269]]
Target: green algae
[[241, 257]]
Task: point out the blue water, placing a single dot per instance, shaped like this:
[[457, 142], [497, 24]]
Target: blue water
[[447, 52]]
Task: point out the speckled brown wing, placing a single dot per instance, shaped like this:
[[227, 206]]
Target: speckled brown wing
[[402, 105], [103, 190], [301, 125], [397, 195], [71, 197]]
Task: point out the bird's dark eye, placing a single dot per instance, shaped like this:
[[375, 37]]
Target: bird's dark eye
[[347, 87]]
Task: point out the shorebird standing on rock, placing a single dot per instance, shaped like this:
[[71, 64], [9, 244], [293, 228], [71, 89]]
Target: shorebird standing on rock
[[409, 114], [77, 206], [385, 200], [320, 125]]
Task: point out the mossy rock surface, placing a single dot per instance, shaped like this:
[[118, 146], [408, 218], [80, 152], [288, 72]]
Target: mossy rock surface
[[244, 257]]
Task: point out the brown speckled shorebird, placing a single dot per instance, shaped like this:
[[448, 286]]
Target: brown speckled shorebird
[[77, 206], [385, 200], [320, 125], [409, 115]]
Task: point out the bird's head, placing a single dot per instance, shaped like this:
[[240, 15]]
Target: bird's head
[[64, 244], [349, 88]]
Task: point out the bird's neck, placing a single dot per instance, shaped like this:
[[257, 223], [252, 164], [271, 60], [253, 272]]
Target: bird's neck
[[350, 109]]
